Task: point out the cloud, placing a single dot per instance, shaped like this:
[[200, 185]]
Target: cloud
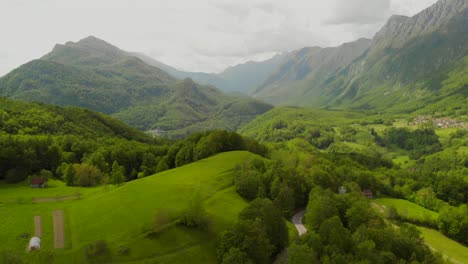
[[360, 12], [202, 35], [409, 8]]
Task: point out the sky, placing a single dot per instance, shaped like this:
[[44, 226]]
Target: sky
[[201, 35]]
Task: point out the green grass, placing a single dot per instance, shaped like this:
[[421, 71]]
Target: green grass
[[408, 209], [120, 215], [446, 246], [23, 193]]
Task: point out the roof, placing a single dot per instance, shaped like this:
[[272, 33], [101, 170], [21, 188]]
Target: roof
[[37, 181]]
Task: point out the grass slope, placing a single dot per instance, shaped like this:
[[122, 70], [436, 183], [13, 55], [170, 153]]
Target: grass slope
[[408, 209], [444, 245], [120, 215], [456, 252]]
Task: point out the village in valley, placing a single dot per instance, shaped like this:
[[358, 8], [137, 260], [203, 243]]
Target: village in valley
[[440, 122]]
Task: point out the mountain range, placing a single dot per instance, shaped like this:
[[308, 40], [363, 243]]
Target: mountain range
[[413, 64], [409, 65], [94, 74], [242, 78]]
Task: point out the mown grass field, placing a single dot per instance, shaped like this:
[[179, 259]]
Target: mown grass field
[[444, 245], [123, 215], [407, 209]]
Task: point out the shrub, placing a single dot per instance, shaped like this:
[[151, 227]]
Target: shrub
[[195, 215], [97, 250]]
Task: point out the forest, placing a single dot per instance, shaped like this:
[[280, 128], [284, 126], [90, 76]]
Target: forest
[[87, 148], [302, 163]]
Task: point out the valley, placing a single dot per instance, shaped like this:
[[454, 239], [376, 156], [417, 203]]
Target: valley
[[349, 153]]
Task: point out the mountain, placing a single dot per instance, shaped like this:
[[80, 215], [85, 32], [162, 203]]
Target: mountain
[[410, 64], [241, 78], [94, 74], [307, 69]]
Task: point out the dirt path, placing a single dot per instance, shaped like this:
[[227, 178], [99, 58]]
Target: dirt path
[[37, 226], [297, 221], [54, 199], [58, 229]]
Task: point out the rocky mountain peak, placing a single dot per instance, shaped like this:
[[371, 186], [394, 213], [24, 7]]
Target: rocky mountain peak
[[400, 29]]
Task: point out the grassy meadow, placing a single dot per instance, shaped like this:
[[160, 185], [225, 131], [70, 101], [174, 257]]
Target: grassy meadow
[[456, 252], [123, 216], [407, 209]]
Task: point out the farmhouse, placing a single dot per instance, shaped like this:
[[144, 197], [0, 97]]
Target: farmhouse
[[368, 194], [38, 182]]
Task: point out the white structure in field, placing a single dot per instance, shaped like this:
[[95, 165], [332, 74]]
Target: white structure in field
[[34, 244]]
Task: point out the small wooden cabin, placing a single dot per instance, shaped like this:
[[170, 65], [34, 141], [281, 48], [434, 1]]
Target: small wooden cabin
[[38, 182]]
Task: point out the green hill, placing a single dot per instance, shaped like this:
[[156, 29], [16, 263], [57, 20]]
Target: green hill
[[29, 118], [97, 75], [124, 216]]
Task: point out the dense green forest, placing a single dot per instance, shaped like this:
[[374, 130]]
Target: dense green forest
[[379, 152], [311, 154], [87, 148]]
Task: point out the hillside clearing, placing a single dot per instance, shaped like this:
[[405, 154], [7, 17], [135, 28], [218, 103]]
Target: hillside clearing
[[408, 209], [444, 245]]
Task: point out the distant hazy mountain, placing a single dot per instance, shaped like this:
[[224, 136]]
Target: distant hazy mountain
[[94, 74], [241, 78], [410, 64], [308, 69]]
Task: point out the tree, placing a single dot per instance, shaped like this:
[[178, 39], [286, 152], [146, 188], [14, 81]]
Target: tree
[[117, 174], [236, 256], [195, 215], [163, 165], [16, 175], [271, 220], [335, 235], [247, 182], [359, 214], [285, 200], [69, 175], [149, 164], [87, 175], [46, 174], [97, 159], [299, 254], [322, 205], [184, 156]]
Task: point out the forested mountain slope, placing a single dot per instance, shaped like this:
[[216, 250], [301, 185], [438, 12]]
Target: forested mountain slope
[[410, 64], [97, 75], [306, 69]]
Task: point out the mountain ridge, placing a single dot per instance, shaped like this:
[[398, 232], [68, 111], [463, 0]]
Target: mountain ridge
[[94, 74], [395, 70], [241, 78]]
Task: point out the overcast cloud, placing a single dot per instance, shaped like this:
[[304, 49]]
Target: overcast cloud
[[202, 35]]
